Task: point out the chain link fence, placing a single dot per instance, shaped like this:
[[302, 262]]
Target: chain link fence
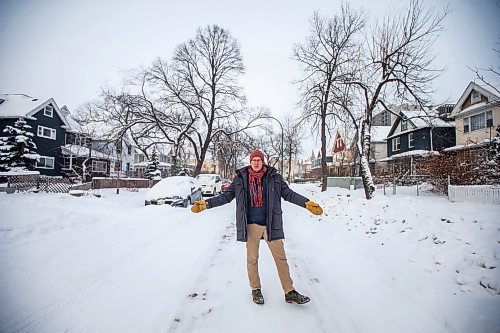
[[37, 183]]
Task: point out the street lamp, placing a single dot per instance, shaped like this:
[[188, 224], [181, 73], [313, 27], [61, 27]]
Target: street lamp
[[282, 156]]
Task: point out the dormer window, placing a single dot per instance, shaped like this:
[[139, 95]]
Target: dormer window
[[475, 97], [404, 125], [48, 111]]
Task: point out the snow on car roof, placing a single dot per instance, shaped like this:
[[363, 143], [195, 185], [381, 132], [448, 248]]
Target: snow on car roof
[[171, 186]]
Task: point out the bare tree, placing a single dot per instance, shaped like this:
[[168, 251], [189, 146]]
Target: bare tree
[[201, 81], [399, 69], [326, 59]]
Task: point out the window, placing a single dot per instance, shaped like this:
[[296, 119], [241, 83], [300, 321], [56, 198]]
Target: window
[[99, 166], [477, 122], [410, 140], [46, 132], [475, 97], [404, 125], [396, 143], [129, 150], [466, 125], [119, 147], [48, 111], [45, 162], [489, 119]]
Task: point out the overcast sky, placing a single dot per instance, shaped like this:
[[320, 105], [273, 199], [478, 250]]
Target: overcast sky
[[68, 49]]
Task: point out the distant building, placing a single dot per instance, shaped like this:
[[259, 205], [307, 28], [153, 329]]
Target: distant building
[[476, 114], [382, 118]]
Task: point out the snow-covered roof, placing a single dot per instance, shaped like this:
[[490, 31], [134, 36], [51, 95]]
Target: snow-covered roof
[[419, 119], [145, 164], [80, 151], [417, 152], [468, 146], [379, 133], [24, 106], [480, 88], [74, 126], [18, 105]]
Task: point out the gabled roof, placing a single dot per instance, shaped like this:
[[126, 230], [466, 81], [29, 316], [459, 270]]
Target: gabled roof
[[419, 119], [482, 89], [24, 106], [379, 133], [74, 126]]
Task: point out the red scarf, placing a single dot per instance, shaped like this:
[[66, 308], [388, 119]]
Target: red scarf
[[255, 179]]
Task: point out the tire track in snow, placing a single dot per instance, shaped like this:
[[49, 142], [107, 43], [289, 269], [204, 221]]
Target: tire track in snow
[[194, 308]]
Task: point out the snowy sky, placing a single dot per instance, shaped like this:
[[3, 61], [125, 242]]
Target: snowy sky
[[69, 49]]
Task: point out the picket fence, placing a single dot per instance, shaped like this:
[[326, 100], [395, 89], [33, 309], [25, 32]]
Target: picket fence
[[474, 193]]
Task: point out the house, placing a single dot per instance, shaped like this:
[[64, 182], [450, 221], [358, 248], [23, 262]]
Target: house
[[141, 161], [48, 124], [476, 114], [414, 134], [115, 153], [378, 148], [316, 164], [304, 168]]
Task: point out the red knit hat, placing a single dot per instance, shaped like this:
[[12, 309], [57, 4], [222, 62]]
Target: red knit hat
[[257, 153]]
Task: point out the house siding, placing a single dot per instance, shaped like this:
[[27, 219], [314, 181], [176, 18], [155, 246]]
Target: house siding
[[46, 146], [420, 141], [442, 137], [467, 102], [478, 135]]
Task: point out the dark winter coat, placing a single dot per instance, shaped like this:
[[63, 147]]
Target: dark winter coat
[[276, 189]]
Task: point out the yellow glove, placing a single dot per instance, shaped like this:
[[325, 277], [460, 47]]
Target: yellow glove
[[314, 208], [199, 206]]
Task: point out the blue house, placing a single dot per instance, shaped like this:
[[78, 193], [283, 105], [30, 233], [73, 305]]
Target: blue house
[[415, 134], [48, 125]]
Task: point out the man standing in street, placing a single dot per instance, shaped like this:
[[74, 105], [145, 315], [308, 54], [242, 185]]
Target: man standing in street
[[258, 190]]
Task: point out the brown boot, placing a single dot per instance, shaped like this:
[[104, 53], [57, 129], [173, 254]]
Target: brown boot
[[257, 296], [294, 297]]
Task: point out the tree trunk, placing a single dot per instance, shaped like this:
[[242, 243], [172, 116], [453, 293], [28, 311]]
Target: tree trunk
[[324, 168], [366, 174]]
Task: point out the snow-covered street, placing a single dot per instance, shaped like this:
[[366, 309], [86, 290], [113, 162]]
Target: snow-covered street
[[392, 264]]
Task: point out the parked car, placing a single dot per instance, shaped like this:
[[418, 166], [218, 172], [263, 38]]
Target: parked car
[[177, 191], [210, 183], [225, 184]]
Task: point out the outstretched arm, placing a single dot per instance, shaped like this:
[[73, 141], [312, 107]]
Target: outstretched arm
[[224, 197]]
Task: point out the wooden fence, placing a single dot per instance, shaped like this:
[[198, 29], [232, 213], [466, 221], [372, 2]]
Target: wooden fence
[[474, 193], [130, 183]]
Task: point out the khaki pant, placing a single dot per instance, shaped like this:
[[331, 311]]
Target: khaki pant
[[255, 233]]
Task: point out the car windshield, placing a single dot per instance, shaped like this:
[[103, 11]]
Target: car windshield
[[206, 178]]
